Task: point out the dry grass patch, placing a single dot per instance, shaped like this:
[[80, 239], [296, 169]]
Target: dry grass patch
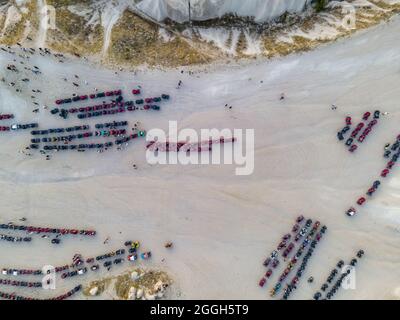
[[135, 41]]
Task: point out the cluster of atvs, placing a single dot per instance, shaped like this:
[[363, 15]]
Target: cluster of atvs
[[99, 107], [78, 261], [104, 133], [394, 148], [102, 109], [81, 147], [350, 141], [8, 238]]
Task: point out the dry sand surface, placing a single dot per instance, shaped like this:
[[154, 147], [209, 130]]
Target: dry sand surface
[[222, 225]]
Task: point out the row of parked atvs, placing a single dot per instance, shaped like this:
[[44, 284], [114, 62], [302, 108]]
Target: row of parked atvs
[[395, 157], [13, 296], [8, 238], [290, 287], [116, 111], [344, 272]]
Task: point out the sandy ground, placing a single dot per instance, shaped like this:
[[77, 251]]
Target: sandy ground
[[222, 225]]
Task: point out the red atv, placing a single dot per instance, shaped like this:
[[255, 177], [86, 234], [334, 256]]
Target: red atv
[[361, 201], [348, 121], [262, 282]]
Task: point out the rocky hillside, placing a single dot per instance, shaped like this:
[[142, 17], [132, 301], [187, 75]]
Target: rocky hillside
[[120, 32]]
